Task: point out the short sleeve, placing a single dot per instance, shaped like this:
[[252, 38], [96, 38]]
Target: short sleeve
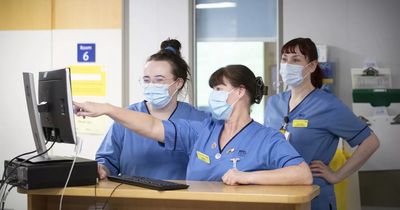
[[109, 151], [180, 135], [345, 124], [281, 153]]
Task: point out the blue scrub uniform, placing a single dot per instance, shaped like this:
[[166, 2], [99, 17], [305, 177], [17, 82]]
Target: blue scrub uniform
[[315, 126], [126, 152], [255, 147]]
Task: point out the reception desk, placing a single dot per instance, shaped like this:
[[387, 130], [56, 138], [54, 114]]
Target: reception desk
[[200, 195]]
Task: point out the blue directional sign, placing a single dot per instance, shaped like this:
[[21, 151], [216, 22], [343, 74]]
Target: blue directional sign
[[87, 52]]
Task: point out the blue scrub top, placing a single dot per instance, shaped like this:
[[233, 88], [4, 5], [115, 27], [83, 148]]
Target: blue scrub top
[[328, 119], [257, 147], [126, 152]]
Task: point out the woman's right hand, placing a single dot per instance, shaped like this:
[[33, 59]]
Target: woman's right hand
[[91, 109], [103, 171]]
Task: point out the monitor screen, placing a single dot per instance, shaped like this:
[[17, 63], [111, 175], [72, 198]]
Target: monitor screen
[[52, 119]]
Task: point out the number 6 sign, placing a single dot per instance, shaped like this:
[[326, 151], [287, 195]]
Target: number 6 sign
[[87, 52]]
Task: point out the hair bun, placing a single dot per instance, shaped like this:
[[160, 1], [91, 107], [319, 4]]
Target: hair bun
[[261, 90], [172, 46]]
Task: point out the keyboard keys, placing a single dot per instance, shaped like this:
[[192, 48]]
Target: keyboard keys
[[155, 184]]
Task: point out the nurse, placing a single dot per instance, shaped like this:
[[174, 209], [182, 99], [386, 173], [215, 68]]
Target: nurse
[[126, 152], [314, 120], [229, 147]]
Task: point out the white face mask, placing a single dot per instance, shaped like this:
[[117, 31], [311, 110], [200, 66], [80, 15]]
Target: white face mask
[[219, 107], [292, 75], [158, 95]]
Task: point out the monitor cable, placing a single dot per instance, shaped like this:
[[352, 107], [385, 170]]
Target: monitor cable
[[4, 197], [108, 198], [78, 149], [24, 161], [4, 184]]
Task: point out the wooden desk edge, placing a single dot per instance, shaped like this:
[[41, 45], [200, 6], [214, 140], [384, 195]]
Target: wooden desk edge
[[128, 191]]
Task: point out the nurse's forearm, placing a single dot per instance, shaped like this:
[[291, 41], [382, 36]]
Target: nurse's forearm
[[291, 175], [359, 157], [141, 123]]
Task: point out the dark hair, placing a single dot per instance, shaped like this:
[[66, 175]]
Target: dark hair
[[309, 50], [170, 52], [239, 75]]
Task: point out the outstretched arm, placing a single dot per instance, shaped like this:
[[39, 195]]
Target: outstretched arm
[[291, 175], [141, 123]]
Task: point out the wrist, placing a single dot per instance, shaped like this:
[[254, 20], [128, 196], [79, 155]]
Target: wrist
[[338, 177], [109, 109], [248, 177]]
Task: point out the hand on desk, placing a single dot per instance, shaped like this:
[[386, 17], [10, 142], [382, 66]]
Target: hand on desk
[[234, 177], [103, 171]]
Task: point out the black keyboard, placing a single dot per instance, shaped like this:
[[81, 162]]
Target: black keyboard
[[155, 184]]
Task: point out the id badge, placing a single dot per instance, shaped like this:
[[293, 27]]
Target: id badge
[[300, 123], [203, 157]]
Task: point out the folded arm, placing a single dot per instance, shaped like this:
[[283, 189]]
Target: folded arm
[[291, 175]]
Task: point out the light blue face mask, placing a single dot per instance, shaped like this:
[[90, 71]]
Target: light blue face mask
[[158, 95], [292, 75], [219, 108]]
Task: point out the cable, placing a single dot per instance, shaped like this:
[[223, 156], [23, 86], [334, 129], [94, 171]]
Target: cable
[[3, 182], [9, 163], [108, 198], [26, 160], [95, 196], [78, 148], [5, 197]]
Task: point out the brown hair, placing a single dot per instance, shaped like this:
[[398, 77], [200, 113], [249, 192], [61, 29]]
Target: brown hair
[[170, 52], [239, 75], [309, 50]]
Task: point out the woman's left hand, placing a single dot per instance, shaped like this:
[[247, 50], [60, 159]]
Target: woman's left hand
[[319, 169], [234, 177]]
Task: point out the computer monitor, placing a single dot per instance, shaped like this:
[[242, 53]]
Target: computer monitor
[[52, 119]]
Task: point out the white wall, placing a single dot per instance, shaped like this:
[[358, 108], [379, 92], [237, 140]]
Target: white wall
[[19, 51], [150, 23], [44, 50], [354, 30]]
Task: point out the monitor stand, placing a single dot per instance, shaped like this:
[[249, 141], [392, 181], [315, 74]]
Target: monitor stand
[[45, 158]]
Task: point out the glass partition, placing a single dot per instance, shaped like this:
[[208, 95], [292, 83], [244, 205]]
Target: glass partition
[[235, 32]]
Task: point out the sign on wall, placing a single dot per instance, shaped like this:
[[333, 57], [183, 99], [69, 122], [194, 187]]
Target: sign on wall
[[87, 52]]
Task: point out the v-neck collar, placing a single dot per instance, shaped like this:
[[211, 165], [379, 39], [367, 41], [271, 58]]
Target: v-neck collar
[[230, 140], [148, 111], [288, 102]]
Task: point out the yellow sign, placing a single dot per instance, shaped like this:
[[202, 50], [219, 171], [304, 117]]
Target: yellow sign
[[88, 81], [97, 126], [203, 157], [300, 123]]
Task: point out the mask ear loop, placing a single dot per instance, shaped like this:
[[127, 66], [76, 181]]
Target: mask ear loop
[[236, 100], [307, 74], [175, 90]]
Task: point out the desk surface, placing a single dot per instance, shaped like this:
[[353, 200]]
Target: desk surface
[[198, 191]]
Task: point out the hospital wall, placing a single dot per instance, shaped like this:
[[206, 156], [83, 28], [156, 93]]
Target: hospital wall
[[354, 30], [41, 35]]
